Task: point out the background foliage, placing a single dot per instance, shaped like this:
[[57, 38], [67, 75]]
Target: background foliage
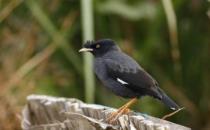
[[39, 42]]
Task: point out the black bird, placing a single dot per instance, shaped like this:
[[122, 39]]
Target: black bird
[[123, 75]]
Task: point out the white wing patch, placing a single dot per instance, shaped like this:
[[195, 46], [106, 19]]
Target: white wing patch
[[173, 108], [121, 81]]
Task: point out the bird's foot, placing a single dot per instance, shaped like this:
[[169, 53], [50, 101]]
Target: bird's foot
[[115, 115], [122, 110]]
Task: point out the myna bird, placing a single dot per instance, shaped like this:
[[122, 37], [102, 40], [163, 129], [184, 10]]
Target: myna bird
[[123, 75]]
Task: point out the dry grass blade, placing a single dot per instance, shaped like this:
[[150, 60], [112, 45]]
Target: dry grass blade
[[18, 76], [171, 114], [5, 12], [28, 66], [31, 64], [57, 37]]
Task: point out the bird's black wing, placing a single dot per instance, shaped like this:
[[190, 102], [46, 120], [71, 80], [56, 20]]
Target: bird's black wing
[[125, 70]]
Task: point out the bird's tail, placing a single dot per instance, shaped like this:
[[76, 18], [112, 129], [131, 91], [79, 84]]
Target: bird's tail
[[168, 101]]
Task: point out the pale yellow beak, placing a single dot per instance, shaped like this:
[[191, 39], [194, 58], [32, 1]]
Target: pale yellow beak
[[85, 50]]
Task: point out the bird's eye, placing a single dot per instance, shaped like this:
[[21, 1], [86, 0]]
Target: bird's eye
[[98, 46]]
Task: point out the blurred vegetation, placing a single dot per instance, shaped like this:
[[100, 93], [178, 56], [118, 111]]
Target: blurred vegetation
[[40, 39]]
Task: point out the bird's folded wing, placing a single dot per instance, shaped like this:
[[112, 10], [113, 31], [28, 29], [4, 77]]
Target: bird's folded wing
[[129, 73]]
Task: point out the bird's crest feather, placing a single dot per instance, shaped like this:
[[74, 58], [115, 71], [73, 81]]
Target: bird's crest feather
[[88, 43]]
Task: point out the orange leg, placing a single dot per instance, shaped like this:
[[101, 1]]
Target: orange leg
[[122, 110]]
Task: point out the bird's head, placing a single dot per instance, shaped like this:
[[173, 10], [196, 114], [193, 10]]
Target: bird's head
[[100, 47]]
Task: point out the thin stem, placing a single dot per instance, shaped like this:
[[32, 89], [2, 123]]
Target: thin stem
[[172, 113], [88, 34], [172, 25]]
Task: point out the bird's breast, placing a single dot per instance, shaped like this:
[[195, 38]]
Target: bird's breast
[[100, 69]]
